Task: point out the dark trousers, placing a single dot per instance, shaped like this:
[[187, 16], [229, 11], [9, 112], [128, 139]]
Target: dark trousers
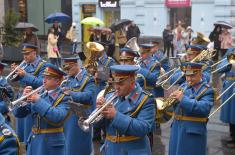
[[168, 48], [232, 131], [111, 50]]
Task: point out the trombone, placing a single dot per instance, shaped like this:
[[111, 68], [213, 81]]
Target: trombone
[[19, 102], [204, 55], [12, 75], [230, 58]]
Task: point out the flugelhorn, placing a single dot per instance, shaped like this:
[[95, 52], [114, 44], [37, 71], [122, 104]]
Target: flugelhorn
[[19, 102], [12, 75], [165, 102], [96, 115]]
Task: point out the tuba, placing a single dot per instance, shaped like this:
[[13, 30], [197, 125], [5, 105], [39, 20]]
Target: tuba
[[201, 39], [92, 53]]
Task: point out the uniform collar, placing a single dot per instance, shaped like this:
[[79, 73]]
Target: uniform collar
[[133, 94], [35, 62], [53, 93]]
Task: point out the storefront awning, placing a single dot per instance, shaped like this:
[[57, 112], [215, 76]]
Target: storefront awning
[[177, 3]]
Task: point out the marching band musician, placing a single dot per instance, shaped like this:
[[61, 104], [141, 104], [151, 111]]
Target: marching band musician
[[127, 56], [7, 94], [28, 75], [228, 110], [191, 52], [190, 114], [159, 56], [102, 73], [49, 110], [9, 143], [81, 87], [149, 71], [131, 116], [104, 61]]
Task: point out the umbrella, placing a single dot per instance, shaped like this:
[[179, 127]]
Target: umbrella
[[101, 29], [57, 16], [23, 26], [92, 21], [119, 24], [223, 24]]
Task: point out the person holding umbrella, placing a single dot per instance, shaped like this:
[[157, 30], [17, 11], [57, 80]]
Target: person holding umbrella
[[226, 41], [30, 37]]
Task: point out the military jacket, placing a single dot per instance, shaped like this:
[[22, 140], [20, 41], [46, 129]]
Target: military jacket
[[127, 131], [82, 91], [188, 128], [48, 114]]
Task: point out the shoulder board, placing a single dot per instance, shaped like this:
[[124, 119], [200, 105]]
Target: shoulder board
[[147, 93]]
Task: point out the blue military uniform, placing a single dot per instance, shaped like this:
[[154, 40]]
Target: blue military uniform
[[228, 110], [48, 113], [159, 56], [82, 88], [7, 94], [32, 77], [9, 144], [188, 129], [149, 72], [127, 131], [103, 62]]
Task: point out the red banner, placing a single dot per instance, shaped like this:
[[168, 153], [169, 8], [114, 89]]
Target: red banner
[[177, 3]]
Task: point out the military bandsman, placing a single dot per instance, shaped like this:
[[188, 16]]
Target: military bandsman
[[28, 74], [7, 94], [81, 87], [227, 115], [131, 116], [49, 110], [195, 100], [9, 143]]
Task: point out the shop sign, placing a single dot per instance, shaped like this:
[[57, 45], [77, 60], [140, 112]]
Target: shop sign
[[177, 3], [89, 8], [109, 3]]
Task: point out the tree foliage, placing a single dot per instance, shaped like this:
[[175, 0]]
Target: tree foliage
[[11, 36]]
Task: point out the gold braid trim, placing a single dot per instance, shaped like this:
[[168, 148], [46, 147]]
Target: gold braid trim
[[133, 114], [38, 68]]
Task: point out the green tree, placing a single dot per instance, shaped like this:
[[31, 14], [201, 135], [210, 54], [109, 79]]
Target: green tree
[[11, 36]]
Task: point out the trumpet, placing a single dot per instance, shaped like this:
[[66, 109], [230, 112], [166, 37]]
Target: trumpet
[[96, 115], [12, 75], [19, 102]]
